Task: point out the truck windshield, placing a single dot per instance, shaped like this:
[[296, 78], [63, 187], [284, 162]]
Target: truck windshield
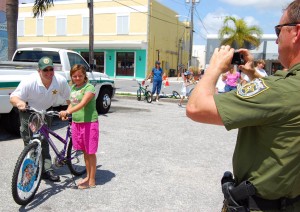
[[35, 56]]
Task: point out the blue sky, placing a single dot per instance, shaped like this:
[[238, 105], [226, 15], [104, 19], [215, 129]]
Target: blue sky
[[209, 14]]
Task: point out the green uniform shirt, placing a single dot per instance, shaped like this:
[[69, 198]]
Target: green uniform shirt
[[88, 113], [267, 114]]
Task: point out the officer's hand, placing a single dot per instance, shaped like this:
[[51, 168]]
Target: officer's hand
[[21, 105], [248, 68], [221, 59]]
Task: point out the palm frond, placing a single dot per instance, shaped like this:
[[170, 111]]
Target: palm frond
[[41, 6], [240, 35]]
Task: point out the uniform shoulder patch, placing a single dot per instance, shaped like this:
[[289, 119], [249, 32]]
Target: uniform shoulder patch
[[252, 89]]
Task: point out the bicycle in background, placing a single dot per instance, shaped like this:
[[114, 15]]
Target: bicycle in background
[[174, 95], [143, 92], [28, 169]]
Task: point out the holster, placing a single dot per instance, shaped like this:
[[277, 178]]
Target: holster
[[236, 196]]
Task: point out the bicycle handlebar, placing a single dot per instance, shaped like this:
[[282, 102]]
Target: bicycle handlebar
[[50, 112], [146, 86]]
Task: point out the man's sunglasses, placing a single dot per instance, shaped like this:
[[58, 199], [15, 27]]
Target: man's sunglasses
[[278, 27], [47, 69]]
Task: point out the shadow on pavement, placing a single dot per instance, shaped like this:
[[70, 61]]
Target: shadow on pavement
[[102, 177]]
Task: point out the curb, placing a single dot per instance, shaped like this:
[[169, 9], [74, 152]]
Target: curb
[[172, 100]]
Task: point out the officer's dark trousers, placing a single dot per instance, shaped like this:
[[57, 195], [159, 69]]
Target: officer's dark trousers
[[24, 116]]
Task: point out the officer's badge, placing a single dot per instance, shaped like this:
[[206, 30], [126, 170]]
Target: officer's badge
[[54, 92], [46, 61], [252, 88]]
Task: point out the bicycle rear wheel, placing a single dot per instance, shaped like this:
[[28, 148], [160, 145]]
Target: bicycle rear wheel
[[148, 96], [75, 160], [176, 94], [139, 94], [27, 175]]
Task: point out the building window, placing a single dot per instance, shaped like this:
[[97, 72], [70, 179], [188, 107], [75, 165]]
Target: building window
[[85, 25], [39, 27], [99, 57], [20, 28], [61, 26], [122, 25], [125, 64]]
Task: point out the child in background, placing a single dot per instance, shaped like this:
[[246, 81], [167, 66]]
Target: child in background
[[185, 86]]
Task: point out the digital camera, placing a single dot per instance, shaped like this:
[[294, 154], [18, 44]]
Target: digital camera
[[238, 59]]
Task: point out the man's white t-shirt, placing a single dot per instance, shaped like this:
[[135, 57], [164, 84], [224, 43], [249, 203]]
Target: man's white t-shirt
[[32, 90]]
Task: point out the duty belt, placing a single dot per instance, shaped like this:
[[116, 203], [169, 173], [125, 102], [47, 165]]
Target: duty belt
[[257, 203], [242, 198]]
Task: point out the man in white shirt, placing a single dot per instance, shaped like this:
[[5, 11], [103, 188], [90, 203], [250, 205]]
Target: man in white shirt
[[40, 90]]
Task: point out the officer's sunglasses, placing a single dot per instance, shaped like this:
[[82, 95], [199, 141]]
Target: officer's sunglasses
[[47, 69], [278, 27]]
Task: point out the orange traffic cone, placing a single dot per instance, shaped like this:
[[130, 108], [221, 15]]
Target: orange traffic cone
[[167, 82]]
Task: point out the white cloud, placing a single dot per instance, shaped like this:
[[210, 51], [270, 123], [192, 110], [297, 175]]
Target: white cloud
[[214, 21], [260, 4]]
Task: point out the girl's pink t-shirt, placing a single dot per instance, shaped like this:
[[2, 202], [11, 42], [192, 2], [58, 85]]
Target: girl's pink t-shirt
[[232, 79]]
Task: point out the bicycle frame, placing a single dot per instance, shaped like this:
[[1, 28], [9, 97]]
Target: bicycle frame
[[143, 90], [45, 131]]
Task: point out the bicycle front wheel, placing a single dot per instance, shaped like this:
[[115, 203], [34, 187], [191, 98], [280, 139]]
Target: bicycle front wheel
[[139, 94], [148, 96], [27, 174], [75, 160]]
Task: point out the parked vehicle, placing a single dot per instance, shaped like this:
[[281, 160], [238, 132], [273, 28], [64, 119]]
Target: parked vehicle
[[25, 61]]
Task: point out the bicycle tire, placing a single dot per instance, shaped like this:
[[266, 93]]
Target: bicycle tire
[[139, 94], [176, 95], [75, 160], [25, 185], [148, 96]]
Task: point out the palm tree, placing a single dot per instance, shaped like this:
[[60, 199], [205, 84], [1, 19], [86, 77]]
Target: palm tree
[[12, 10], [241, 35]]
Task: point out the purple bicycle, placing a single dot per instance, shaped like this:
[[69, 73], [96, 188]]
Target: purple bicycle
[[28, 169]]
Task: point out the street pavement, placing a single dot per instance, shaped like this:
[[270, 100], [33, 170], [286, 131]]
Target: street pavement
[[151, 157]]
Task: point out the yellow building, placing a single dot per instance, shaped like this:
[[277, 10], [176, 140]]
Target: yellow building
[[129, 36]]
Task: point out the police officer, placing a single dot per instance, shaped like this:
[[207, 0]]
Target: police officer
[[266, 112], [40, 90]]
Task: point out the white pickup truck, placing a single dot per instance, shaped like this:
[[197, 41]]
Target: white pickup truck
[[25, 61]]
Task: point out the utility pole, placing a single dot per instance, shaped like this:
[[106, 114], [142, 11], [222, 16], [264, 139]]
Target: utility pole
[[192, 28], [91, 33], [192, 32]]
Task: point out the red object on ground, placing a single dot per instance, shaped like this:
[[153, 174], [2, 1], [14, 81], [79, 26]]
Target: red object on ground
[[167, 82]]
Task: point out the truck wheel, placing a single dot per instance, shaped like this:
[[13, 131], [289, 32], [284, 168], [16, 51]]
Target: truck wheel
[[103, 101], [11, 122]]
